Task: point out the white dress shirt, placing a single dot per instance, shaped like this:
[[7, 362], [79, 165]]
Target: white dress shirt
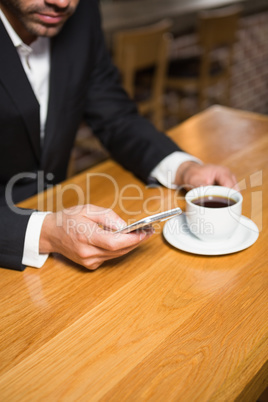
[[35, 60]]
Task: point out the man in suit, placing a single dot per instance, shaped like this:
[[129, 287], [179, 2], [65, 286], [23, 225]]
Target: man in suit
[[54, 72]]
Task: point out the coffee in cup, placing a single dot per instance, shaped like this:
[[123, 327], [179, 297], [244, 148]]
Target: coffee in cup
[[213, 212]]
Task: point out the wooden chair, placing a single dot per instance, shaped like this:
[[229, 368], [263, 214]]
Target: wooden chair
[[139, 49], [216, 31], [134, 50]]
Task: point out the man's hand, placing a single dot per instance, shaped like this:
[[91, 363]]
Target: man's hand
[[84, 235], [191, 174]]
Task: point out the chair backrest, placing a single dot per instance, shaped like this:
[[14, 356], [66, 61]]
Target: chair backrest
[[141, 48], [218, 27]]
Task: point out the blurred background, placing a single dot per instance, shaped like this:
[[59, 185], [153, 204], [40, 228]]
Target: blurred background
[[172, 68]]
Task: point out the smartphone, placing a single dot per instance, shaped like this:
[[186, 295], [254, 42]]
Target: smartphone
[[149, 220]]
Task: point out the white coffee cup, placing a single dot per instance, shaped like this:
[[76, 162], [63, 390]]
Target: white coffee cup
[[213, 223]]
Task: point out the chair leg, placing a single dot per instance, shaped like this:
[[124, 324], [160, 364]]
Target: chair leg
[[201, 99], [227, 95], [183, 113], [158, 123], [158, 116]]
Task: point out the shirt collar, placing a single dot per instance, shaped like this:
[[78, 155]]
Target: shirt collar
[[17, 41], [39, 45]]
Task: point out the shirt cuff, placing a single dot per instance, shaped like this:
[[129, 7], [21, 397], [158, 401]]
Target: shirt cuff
[[165, 171], [31, 256]]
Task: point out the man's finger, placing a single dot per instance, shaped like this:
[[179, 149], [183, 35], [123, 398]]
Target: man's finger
[[116, 241], [105, 217]]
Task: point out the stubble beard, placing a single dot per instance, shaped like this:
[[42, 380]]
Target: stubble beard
[[26, 17]]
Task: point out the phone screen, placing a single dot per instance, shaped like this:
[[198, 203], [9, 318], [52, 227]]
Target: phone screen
[[149, 220]]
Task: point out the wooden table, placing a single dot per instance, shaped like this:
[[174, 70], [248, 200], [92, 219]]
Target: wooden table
[[122, 15], [158, 324]]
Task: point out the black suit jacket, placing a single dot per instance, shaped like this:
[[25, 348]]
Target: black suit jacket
[[83, 85]]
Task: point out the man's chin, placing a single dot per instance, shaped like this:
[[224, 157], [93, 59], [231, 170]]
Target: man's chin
[[45, 31]]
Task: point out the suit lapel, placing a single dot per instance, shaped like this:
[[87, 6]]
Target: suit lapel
[[58, 86], [15, 81]]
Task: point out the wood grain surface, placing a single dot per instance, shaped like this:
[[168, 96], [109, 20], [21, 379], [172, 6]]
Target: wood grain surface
[[158, 324]]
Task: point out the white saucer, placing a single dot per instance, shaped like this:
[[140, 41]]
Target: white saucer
[[177, 233]]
